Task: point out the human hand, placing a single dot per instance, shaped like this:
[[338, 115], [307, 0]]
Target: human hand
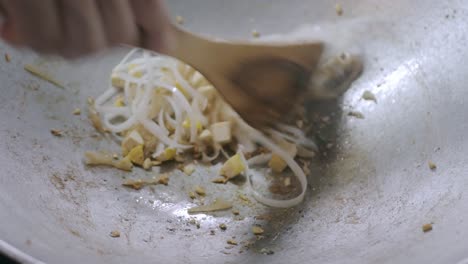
[[73, 28]]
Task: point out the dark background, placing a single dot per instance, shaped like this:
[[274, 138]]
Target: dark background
[[6, 260]]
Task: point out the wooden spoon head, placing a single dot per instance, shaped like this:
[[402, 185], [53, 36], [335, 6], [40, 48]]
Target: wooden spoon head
[[264, 82], [261, 81], [273, 86]]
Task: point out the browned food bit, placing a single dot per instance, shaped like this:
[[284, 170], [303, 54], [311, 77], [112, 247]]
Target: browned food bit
[[77, 111], [232, 242], [34, 70], [200, 190], [256, 230], [98, 159], [235, 212], [432, 165], [244, 198], [265, 217], [218, 205], [164, 179], [223, 227], [369, 96], [7, 57], [56, 132], [94, 117], [192, 195], [267, 251], [356, 114], [339, 9], [220, 180], [255, 33], [134, 184], [115, 233], [140, 183], [426, 228]]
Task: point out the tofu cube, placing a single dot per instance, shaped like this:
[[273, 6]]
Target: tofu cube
[[221, 132], [208, 91], [132, 140], [233, 167], [276, 163]]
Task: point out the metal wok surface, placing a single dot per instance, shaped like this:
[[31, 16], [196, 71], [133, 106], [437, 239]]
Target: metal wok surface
[[369, 194]]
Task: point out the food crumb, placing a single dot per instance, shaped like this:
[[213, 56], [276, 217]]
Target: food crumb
[[115, 233], [180, 20], [56, 132], [164, 179], [287, 182], [147, 164], [356, 114], [232, 242], [339, 9], [212, 232], [115, 156], [220, 180], [7, 57], [42, 75], [426, 228], [235, 212], [192, 195], [189, 169], [266, 251], [369, 96], [326, 119], [200, 190], [77, 111], [432, 165], [244, 198], [300, 123], [223, 227], [255, 33], [256, 230]]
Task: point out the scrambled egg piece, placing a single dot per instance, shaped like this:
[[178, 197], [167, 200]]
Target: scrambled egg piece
[[132, 140], [136, 155], [221, 132], [233, 167], [206, 136]]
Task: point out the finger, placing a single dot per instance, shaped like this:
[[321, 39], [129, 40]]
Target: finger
[[83, 29], [9, 31], [118, 21], [2, 18], [33, 23], [153, 22]]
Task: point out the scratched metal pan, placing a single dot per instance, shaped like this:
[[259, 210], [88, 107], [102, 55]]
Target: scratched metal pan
[[371, 189]]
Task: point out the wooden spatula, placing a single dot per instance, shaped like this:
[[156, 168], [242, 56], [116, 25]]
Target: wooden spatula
[[261, 81]]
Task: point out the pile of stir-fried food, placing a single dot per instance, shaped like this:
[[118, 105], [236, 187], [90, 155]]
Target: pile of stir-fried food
[[163, 110]]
